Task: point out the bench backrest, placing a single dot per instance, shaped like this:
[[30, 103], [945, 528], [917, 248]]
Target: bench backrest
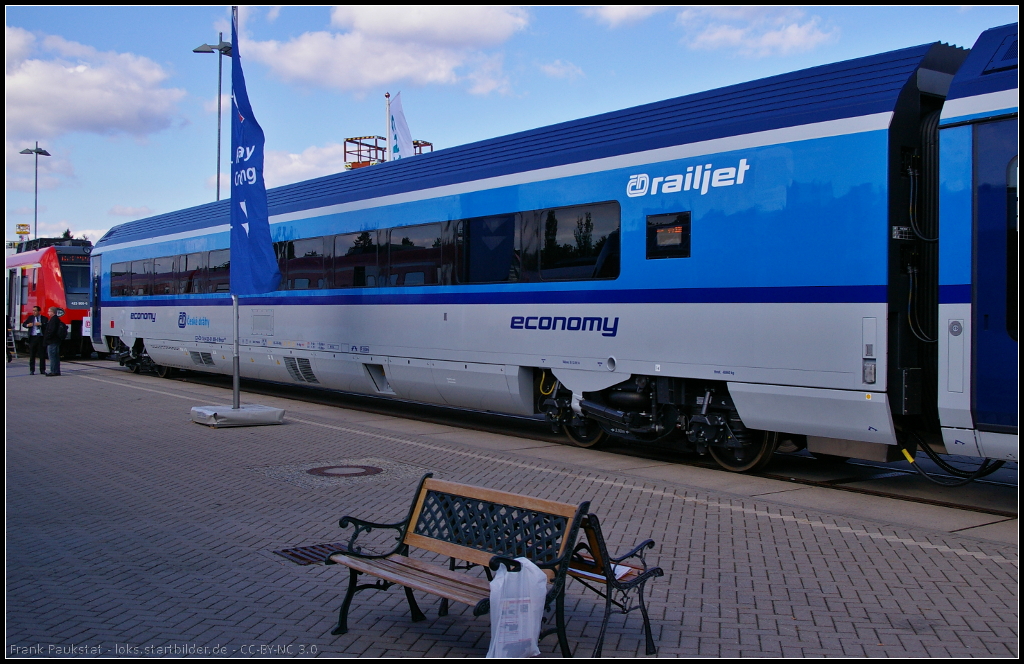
[[474, 524]]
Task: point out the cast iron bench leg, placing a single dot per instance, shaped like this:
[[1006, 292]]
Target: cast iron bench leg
[[563, 640], [604, 622], [414, 608], [444, 601], [651, 649], [342, 627]]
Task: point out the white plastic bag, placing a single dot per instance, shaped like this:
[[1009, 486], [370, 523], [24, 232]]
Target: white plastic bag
[[517, 608]]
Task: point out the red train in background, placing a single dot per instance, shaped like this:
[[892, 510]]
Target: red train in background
[[51, 272]]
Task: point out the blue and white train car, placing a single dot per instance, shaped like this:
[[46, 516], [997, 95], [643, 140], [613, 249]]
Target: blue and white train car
[[978, 252], [716, 270]]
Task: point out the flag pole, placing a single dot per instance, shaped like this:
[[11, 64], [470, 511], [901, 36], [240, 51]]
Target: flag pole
[[254, 268], [387, 125], [235, 377]]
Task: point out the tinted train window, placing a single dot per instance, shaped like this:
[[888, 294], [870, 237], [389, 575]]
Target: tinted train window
[[192, 274], [305, 260], [355, 260], [120, 279], [165, 277], [75, 278], [487, 249], [219, 272], [415, 256], [578, 243], [142, 277], [668, 235]]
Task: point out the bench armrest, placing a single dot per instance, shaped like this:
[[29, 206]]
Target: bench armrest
[[360, 527], [636, 552], [510, 564]]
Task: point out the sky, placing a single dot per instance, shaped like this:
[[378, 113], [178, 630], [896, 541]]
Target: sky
[[128, 112]]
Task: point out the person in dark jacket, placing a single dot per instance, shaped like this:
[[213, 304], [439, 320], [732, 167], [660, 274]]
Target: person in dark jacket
[[51, 337], [36, 323]]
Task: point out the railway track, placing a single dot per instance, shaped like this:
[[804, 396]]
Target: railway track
[[800, 468]]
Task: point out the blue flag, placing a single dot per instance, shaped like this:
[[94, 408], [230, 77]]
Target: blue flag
[[253, 263]]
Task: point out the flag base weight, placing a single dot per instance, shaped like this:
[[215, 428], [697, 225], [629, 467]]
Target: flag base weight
[[249, 415]]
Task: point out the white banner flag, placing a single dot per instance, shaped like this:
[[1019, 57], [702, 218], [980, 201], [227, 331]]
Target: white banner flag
[[401, 137]]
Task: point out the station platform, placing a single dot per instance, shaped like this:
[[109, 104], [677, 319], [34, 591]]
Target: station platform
[[132, 531]]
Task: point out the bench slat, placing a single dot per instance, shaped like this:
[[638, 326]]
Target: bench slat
[[418, 575]]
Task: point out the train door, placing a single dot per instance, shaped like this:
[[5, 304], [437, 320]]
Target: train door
[[995, 286], [97, 279], [14, 298]]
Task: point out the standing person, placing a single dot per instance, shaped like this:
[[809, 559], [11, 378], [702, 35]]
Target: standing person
[[36, 323], [53, 334]]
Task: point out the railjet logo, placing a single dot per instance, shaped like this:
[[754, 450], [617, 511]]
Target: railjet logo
[[184, 320], [701, 177], [571, 324], [142, 316]]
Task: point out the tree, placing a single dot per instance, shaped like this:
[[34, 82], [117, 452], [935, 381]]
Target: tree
[[67, 235]]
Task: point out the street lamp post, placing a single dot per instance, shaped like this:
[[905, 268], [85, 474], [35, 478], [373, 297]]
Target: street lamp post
[[36, 151], [222, 48]]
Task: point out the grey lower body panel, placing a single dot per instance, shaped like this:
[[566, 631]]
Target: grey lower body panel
[[842, 414]]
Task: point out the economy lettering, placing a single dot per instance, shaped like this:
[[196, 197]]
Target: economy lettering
[[607, 326]]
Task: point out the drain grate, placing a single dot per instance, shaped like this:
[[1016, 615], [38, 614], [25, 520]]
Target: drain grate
[[310, 555]]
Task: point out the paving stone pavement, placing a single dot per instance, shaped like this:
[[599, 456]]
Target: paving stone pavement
[[132, 531]]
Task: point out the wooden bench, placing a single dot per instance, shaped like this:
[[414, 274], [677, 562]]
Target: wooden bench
[[619, 576], [465, 523]]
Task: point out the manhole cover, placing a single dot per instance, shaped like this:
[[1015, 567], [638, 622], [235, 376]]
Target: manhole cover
[[344, 471]]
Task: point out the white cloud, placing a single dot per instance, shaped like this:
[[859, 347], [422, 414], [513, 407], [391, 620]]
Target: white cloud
[[20, 169], [128, 211], [281, 167], [377, 46], [487, 76], [753, 31], [93, 234], [225, 183], [71, 87], [615, 15], [25, 209], [273, 13], [17, 46], [559, 69], [445, 26], [210, 105]]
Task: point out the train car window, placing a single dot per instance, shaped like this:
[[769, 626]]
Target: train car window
[[355, 260], [415, 256], [306, 264], [579, 242], [120, 280], [165, 277], [142, 277], [219, 272], [192, 274], [75, 278], [486, 250], [668, 235], [281, 251], [24, 287]]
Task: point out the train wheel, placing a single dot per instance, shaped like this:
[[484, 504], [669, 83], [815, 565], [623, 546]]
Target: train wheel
[[164, 372], [135, 368], [748, 458], [589, 434]]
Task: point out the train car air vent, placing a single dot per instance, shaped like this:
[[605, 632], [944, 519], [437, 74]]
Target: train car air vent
[[201, 359], [300, 370]]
